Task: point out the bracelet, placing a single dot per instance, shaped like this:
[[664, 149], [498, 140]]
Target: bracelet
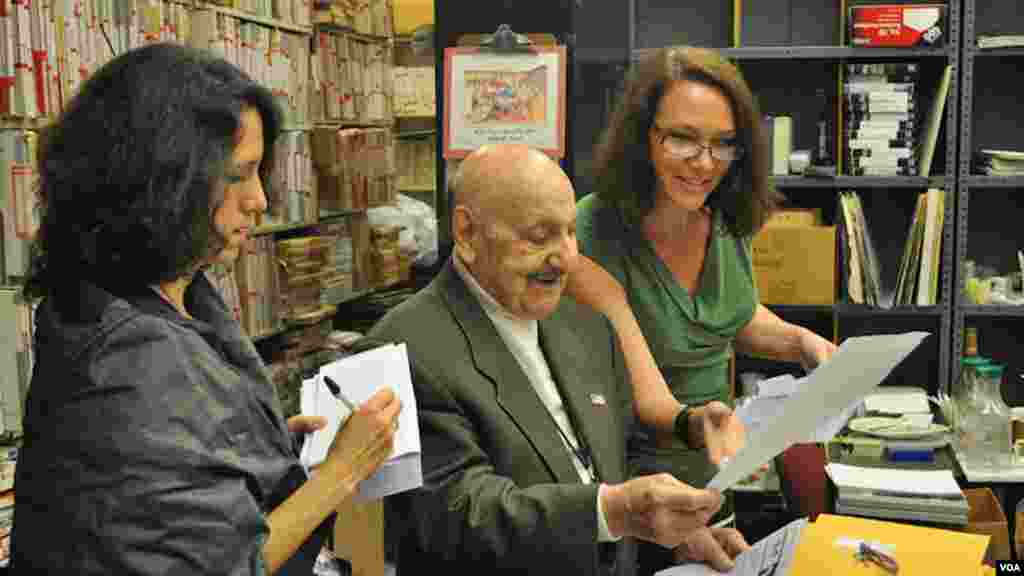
[[681, 427]]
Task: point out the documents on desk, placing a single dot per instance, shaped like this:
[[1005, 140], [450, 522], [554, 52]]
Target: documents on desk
[[769, 556], [922, 495], [899, 401], [916, 549], [801, 548], [858, 366], [360, 376]]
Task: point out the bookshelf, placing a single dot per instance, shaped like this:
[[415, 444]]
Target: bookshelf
[[822, 53], [792, 53], [270, 22], [989, 211]]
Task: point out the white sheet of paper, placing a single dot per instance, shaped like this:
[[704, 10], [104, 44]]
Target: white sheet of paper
[[782, 385], [857, 367], [921, 482], [360, 377], [769, 556], [760, 410], [316, 400], [901, 403]]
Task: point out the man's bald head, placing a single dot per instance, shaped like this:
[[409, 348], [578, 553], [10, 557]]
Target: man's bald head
[[503, 174]]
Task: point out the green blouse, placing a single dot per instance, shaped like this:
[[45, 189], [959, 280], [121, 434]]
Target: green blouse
[[690, 336]]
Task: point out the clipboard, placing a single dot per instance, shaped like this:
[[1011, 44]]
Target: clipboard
[[504, 88]]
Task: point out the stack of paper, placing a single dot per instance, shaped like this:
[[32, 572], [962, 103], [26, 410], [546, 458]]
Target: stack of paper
[[1001, 162], [924, 495], [360, 377], [898, 401]]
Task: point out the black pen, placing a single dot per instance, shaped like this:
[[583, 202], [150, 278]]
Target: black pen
[[336, 392]]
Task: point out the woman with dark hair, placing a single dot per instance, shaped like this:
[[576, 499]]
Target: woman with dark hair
[[681, 188], [153, 440]]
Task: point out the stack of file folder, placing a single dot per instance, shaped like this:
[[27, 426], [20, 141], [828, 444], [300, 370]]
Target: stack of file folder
[[919, 495]]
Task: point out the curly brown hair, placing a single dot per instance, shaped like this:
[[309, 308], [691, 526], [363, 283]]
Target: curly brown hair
[[624, 172]]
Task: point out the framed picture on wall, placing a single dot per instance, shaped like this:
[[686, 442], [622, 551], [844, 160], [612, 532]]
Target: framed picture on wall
[[504, 97]]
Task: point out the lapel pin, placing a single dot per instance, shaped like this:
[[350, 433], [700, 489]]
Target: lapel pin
[[597, 400]]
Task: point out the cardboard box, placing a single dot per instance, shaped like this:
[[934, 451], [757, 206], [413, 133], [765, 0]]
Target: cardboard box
[[920, 25], [795, 264], [795, 217], [986, 517]]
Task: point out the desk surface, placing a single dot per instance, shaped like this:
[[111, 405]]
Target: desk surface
[[1002, 475]]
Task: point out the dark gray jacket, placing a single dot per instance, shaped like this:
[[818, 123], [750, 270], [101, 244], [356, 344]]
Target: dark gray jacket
[[154, 444]]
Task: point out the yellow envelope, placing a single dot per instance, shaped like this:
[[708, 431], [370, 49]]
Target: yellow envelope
[[917, 549]]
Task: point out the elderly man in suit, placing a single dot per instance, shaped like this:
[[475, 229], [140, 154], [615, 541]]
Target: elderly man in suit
[[524, 399]]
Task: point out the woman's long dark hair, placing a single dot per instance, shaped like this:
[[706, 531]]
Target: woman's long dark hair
[[131, 172], [624, 172]]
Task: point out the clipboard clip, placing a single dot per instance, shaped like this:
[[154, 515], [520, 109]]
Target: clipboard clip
[[506, 41]]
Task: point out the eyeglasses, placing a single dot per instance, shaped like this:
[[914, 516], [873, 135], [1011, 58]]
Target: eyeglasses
[[686, 148]]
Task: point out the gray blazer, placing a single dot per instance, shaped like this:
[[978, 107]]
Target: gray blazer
[[501, 494]]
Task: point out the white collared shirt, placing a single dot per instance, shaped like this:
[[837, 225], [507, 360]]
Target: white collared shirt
[[523, 341]]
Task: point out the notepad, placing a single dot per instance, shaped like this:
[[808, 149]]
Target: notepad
[[360, 377], [316, 400]]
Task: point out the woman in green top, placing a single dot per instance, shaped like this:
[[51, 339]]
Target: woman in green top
[[681, 187]]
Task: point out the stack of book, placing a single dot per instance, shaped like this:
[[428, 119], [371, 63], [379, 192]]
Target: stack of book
[[303, 263], [292, 195], [414, 163], [338, 281], [256, 275], [6, 521], [895, 494], [351, 79], [48, 49], [16, 359], [355, 167], [1000, 162], [370, 17], [19, 214], [861, 277], [918, 281], [881, 106]]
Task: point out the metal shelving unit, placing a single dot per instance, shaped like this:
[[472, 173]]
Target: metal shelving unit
[[993, 52], [974, 184], [990, 311], [977, 181], [859, 182]]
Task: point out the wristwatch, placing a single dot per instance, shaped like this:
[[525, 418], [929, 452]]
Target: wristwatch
[[682, 426]]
